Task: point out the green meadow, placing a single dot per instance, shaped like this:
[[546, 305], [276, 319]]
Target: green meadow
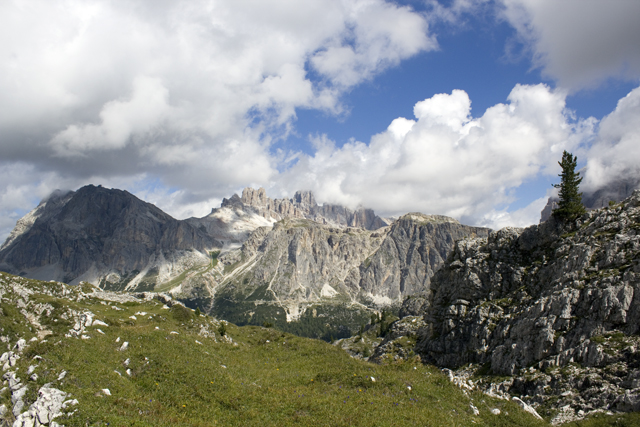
[[182, 371]]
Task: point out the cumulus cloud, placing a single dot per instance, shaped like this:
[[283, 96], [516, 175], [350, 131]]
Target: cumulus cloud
[[579, 43], [445, 161], [615, 152], [193, 93], [181, 103], [119, 121]]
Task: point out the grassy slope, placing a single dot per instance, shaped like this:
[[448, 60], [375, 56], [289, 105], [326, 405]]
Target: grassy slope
[[264, 377]]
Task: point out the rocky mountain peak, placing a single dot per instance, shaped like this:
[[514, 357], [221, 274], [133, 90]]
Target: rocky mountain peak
[[303, 205], [255, 198], [234, 202], [423, 218], [95, 231], [305, 198]]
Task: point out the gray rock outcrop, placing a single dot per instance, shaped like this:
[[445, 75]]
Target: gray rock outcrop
[[414, 248], [300, 264], [528, 302], [303, 205]]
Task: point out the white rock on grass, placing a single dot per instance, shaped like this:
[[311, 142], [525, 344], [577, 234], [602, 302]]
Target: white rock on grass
[[106, 392], [495, 411], [42, 412], [68, 403], [124, 346], [16, 400], [98, 323], [14, 381], [474, 409], [20, 345], [526, 407]]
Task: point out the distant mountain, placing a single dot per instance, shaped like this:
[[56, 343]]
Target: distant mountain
[[102, 236], [110, 237], [252, 260], [303, 205], [301, 273], [615, 191]]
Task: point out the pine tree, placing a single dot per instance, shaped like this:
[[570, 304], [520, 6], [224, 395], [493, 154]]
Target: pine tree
[[570, 205]]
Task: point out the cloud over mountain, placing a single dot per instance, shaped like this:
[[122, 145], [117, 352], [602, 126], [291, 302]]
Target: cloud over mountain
[[186, 102], [193, 92], [445, 161]]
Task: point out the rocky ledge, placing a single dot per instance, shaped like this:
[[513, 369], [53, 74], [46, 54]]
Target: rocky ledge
[[550, 313]]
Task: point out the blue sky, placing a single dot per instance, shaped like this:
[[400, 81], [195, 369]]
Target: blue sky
[[481, 56], [456, 107]]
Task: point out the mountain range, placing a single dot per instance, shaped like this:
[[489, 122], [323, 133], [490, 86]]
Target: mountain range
[[252, 260], [546, 315]]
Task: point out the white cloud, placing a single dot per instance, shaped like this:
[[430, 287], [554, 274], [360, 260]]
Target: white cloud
[[446, 161], [580, 42], [376, 36], [119, 121], [615, 154], [190, 92], [180, 102], [530, 214]]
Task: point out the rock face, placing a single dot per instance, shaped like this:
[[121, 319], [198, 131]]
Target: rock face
[[252, 260], [415, 247], [303, 205], [301, 267], [231, 223], [96, 232], [526, 303], [300, 262]]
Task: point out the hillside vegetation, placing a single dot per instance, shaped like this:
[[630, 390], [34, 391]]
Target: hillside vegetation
[[156, 366]]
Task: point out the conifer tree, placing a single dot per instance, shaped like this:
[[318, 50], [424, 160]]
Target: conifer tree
[[570, 205]]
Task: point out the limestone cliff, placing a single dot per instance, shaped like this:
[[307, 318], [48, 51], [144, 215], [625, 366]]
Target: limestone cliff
[[411, 252], [303, 205], [300, 266], [531, 303]]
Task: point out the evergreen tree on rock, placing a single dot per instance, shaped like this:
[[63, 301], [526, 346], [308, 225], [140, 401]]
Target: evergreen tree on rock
[[570, 205]]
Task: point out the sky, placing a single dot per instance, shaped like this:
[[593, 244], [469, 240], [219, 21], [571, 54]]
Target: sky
[[460, 107]]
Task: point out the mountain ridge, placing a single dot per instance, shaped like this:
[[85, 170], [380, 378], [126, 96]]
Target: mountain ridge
[[284, 256]]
